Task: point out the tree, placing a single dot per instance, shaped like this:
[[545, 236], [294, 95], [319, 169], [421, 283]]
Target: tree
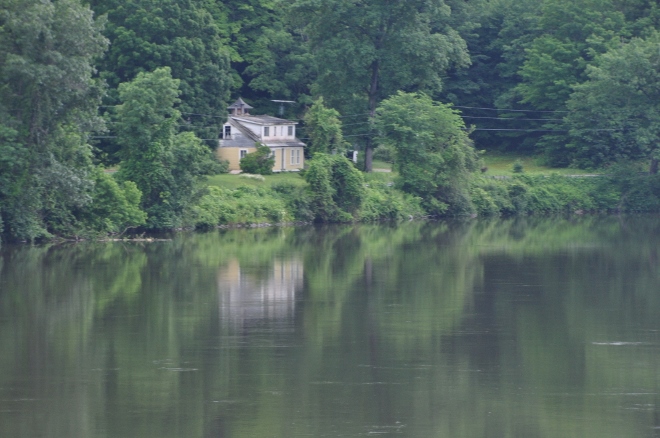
[[115, 208], [367, 50], [323, 127], [48, 107], [183, 35], [336, 186], [434, 155], [165, 166], [615, 115], [259, 162], [573, 34]]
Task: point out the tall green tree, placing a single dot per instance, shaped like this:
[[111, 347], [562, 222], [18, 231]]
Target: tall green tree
[[366, 50], [166, 167], [434, 155], [48, 107], [323, 128], [572, 35], [615, 115], [183, 35]]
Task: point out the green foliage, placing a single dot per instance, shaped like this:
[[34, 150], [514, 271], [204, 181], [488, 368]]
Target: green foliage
[[365, 51], [384, 153], [186, 36], [616, 113], [323, 127], [383, 203], [631, 189], [336, 187], [244, 205], [526, 194], [259, 162], [48, 105], [518, 167], [114, 207], [166, 167], [434, 156]]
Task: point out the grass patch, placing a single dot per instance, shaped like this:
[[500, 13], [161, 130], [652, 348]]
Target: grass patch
[[377, 164], [500, 164], [229, 181]]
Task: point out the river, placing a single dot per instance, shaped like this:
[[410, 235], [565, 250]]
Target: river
[[522, 327]]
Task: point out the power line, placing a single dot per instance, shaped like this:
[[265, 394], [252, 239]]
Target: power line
[[535, 130], [508, 109], [510, 119]]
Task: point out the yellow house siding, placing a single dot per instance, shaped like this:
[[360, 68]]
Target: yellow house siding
[[233, 155], [283, 155]]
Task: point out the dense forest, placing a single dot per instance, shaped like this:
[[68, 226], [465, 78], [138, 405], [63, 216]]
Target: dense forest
[[142, 86]]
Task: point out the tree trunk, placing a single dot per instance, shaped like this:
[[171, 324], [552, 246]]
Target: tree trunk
[[373, 93], [653, 168]]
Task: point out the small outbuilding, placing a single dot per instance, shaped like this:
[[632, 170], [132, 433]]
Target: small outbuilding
[[242, 131]]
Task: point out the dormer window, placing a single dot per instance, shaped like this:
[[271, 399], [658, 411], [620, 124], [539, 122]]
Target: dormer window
[[290, 132], [227, 133], [266, 131]]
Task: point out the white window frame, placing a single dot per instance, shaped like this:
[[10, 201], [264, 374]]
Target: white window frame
[[295, 156], [290, 131], [242, 153], [266, 131]]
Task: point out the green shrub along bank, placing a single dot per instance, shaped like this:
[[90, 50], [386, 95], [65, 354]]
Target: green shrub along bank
[[287, 203], [623, 190]]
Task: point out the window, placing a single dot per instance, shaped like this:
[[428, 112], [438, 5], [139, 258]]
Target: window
[[295, 156], [242, 153], [227, 133], [266, 131], [290, 133]]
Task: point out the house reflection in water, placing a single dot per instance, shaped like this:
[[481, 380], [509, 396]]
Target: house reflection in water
[[247, 297]]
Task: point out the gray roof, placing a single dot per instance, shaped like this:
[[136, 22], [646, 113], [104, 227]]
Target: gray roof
[[264, 120], [240, 103], [284, 143], [249, 137]]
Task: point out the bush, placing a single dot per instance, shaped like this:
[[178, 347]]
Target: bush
[[386, 203], [518, 167], [384, 153], [259, 162], [336, 188], [114, 208], [244, 205]]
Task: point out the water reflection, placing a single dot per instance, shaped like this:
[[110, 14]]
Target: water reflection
[[247, 298], [522, 327]]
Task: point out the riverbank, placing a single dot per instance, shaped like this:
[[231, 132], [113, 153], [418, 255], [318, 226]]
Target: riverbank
[[283, 199]]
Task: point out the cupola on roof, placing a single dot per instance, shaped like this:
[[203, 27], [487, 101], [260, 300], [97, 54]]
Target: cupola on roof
[[239, 108]]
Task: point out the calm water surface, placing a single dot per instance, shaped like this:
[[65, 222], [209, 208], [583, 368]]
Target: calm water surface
[[506, 328]]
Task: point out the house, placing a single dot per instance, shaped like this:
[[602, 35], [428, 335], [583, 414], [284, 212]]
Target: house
[[242, 131]]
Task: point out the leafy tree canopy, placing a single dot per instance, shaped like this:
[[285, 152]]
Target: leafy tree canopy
[[323, 128], [48, 104], [434, 156], [367, 50], [616, 113], [165, 166], [183, 35]]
